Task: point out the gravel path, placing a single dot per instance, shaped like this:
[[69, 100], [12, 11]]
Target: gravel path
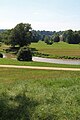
[[40, 68], [58, 61]]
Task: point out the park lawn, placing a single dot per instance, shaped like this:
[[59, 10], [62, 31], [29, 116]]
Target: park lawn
[[27, 94], [8, 61], [61, 50], [57, 49]]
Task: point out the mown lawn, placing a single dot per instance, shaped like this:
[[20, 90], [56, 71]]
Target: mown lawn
[[7, 61], [61, 50], [27, 94], [57, 49]]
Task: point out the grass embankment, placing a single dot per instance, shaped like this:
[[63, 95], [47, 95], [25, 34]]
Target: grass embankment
[[6, 61], [39, 95], [57, 50]]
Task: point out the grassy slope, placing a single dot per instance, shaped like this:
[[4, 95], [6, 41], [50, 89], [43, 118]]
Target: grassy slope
[[39, 95], [57, 49]]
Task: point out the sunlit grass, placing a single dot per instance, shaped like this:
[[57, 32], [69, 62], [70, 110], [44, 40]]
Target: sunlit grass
[[39, 95], [57, 49], [6, 61]]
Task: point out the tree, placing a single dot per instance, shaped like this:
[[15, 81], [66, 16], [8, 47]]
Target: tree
[[69, 37], [21, 35], [56, 37], [76, 39], [72, 37], [35, 36], [4, 35], [0, 37], [48, 40], [24, 54]]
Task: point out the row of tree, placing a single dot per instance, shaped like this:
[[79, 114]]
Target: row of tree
[[22, 34], [71, 37]]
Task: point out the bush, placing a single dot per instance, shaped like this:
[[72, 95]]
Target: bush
[[24, 54], [1, 55], [56, 38]]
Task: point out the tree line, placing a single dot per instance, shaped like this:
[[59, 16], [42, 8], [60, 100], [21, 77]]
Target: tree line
[[69, 36], [23, 34]]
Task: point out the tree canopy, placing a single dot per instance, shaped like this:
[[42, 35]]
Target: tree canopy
[[21, 35], [56, 37], [71, 37]]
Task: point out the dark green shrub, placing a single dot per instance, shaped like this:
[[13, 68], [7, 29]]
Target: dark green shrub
[[56, 38], [24, 54], [1, 55]]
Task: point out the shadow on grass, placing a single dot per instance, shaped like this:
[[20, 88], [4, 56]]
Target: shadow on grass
[[15, 50], [33, 49], [12, 49], [19, 107]]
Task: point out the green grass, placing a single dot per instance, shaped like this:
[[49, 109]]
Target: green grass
[[6, 61], [39, 95], [57, 50], [61, 50]]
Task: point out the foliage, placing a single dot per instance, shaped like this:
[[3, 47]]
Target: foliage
[[0, 37], [44, 33], [24, 54], [71, 37], [21, 35], [48, 40], [35, 36], [56, 38], [1, 55], [4, 36]]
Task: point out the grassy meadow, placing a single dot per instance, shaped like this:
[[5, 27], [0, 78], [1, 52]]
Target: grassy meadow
[[57, 50], [27, 94]]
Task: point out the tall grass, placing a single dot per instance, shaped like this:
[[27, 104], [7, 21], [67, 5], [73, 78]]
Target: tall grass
[[39, 95]]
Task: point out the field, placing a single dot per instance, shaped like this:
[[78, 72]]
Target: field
[[57, 50], [28, 94], [39, 95]]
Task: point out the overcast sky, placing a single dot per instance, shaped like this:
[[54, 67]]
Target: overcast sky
[[41, 14]]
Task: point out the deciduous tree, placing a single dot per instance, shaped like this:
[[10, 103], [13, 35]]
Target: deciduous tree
[[21, 35]]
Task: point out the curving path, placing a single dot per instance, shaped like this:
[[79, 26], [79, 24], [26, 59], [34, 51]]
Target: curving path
[[58, 61], [40, 68]]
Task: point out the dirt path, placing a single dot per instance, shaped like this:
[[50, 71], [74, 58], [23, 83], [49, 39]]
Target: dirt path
[[40, 68]]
